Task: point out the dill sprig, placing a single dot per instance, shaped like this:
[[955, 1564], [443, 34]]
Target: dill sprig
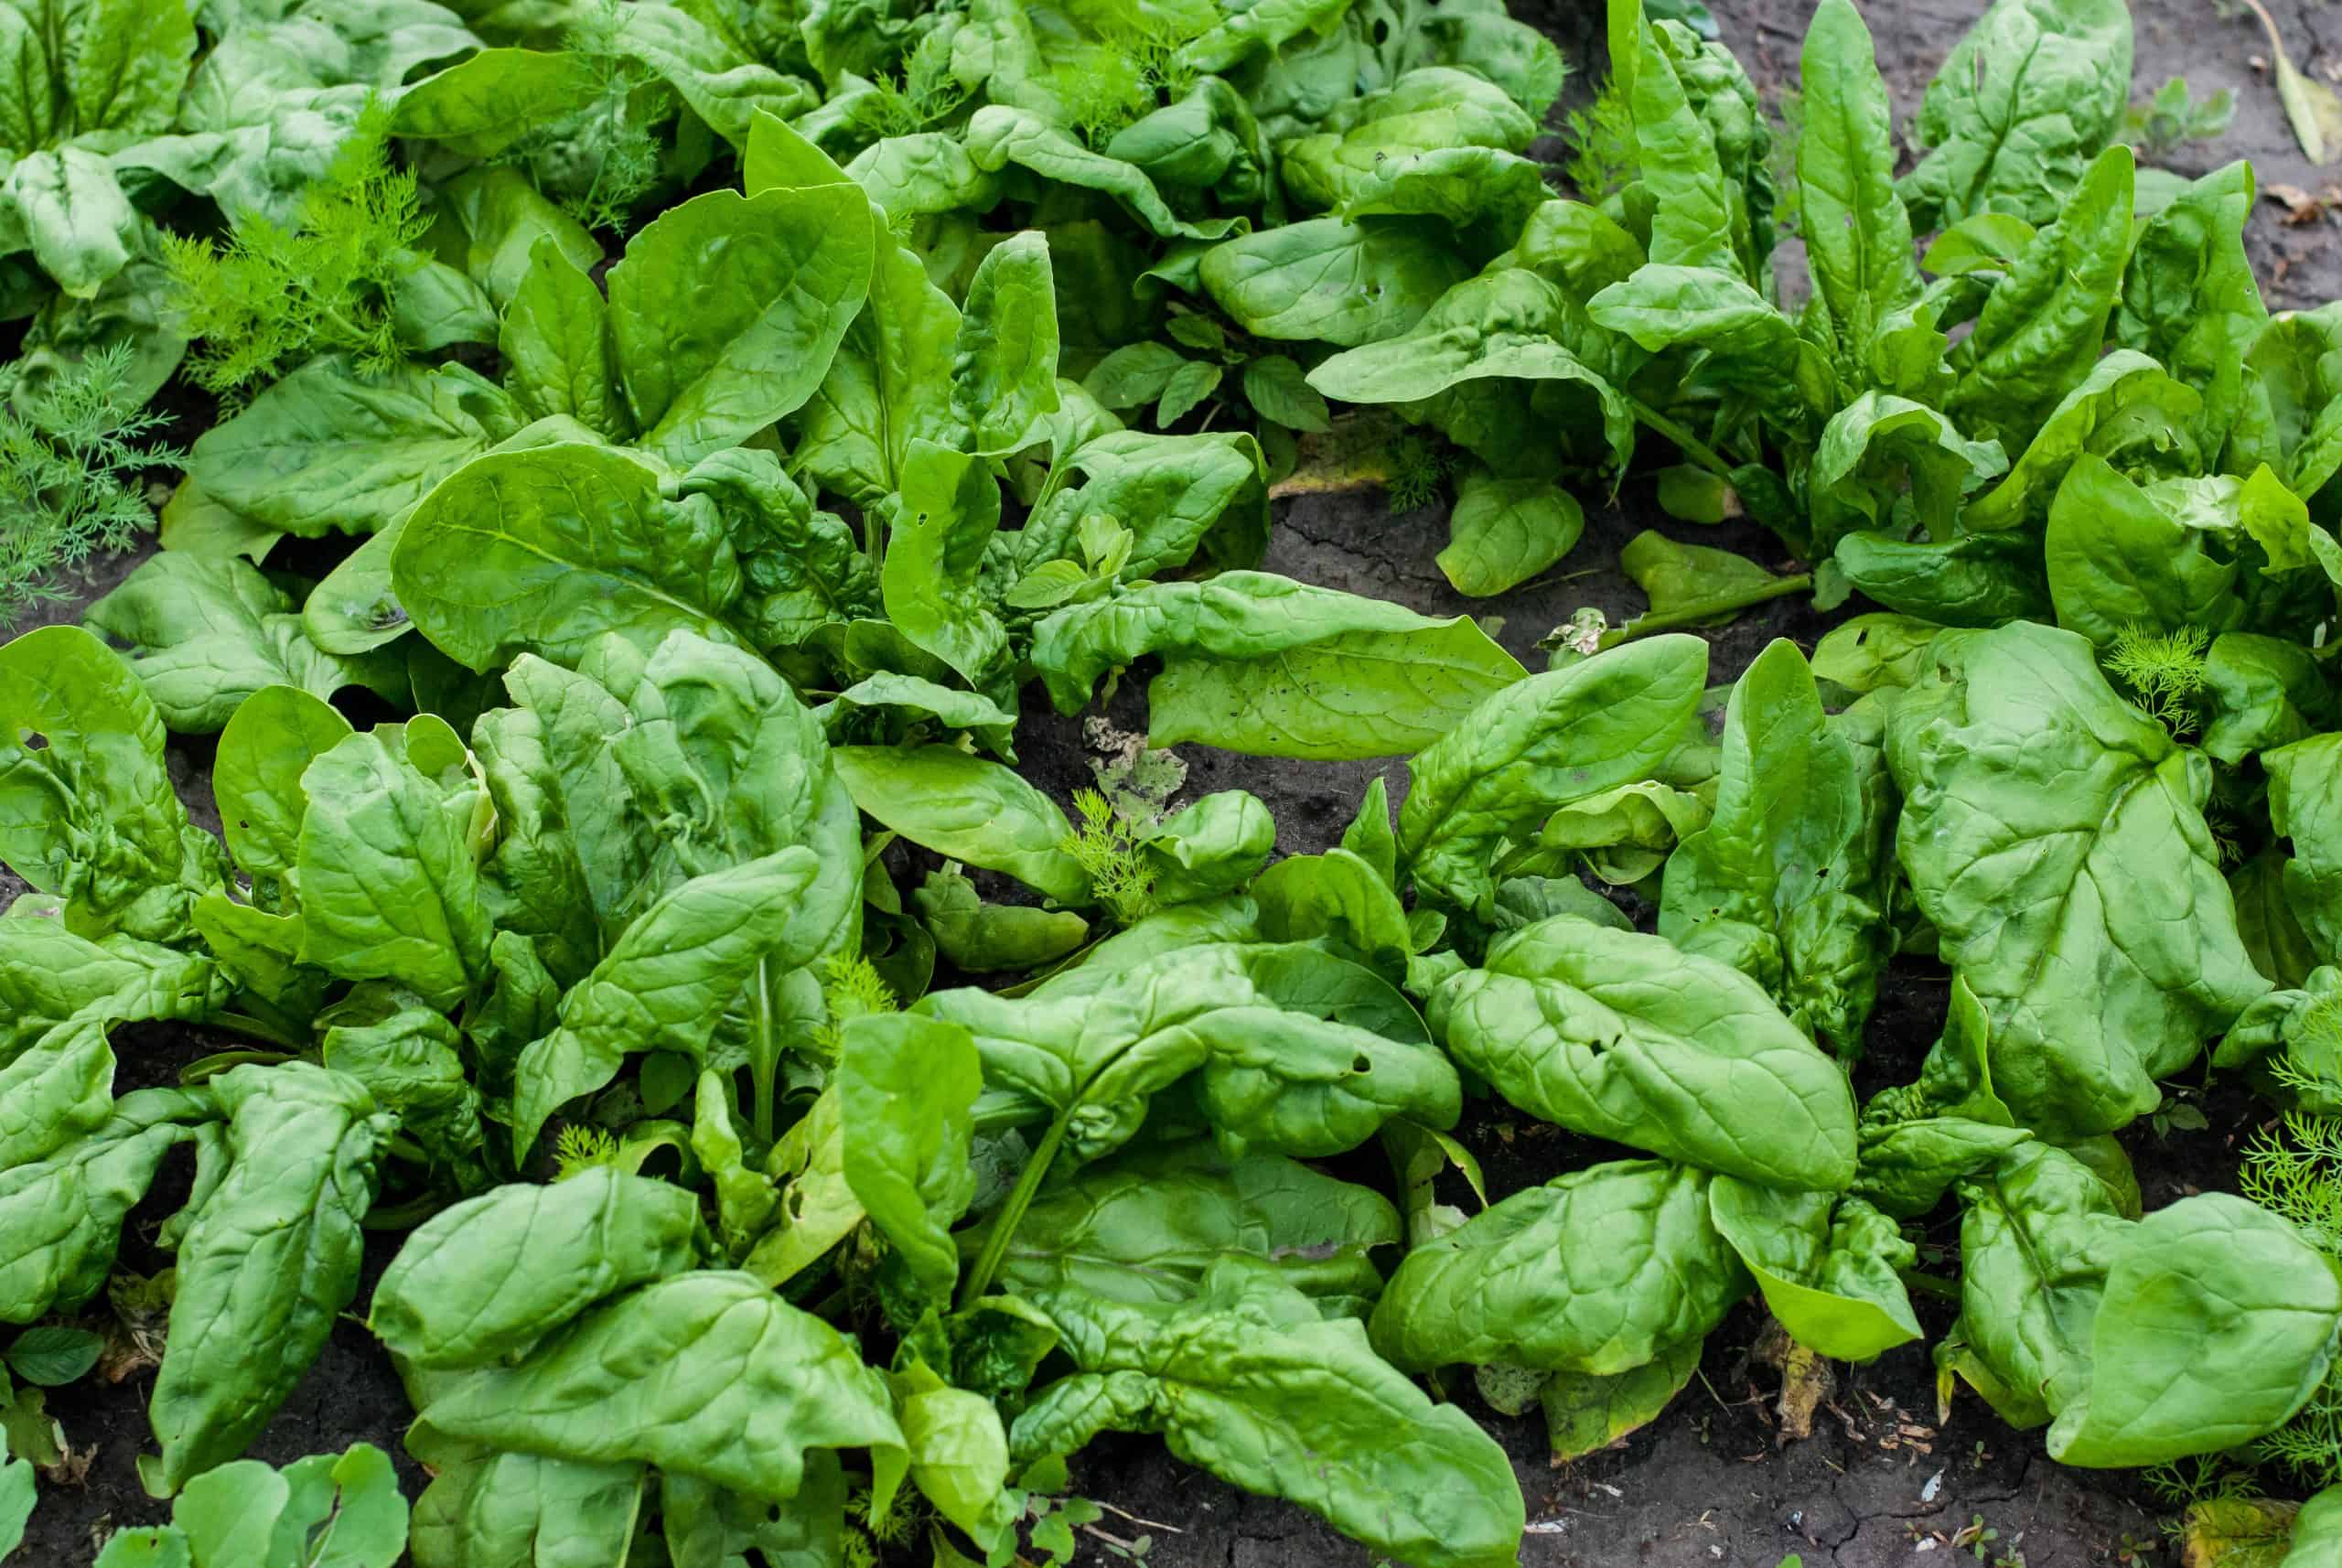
[[1419, 468], [579, 1147], [2164, 669], [625, 152], [326, 282], [2295, 1171], [851, 988], [1603, 160], [71, 455], [1107, 845]]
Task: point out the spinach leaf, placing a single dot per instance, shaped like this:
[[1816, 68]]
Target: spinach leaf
[[2054, 836], [707, 1375], [2027, 97], [270, 1262], [1260, 663], [1789, 882], [1215, 1377], [1537, 746], [1621, 1037]]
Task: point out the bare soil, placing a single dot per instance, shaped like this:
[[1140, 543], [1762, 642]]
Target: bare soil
[[1885, 1477]]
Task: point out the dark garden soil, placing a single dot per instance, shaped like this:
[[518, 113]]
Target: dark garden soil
[[1715, 1482]]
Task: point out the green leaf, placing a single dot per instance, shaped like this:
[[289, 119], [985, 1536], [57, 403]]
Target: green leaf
[[2126, 410], [1133, 374], [1299, 1051], [481, 106], [256, 772], [388, 875], [707, 1375], [726, 310], [1692, 223], [2040, 332], [968, 809], [19, 1497], [1502, 533], [1509, 325], [271, 1258], [1340, 898], [1176, 494], [1828, 1266], [557, 348], [160, 1546], [1262, 665], [1882, 454], [984, 939], [1192, 383], [549, 549], [2306, 807], [1363, 1448], [1599, 1270], [2027, 97], [60, 1218], [1586, 1412], [204, 633], [998, 136], [490, 1508], [2117, 561], [1211, 846], [487, 1278], [326, 449], [2054, 836], [948, 512], [1278, 390], [1145, 1226], [1858, 237], [1329, 280], [1620, 1036], [1537, 746], [2217, 1324], [1004, 356], [1789, 882], [2190, 298], [54, 1357], [664, 983], [86, 805], [905, 1084], [888, 384]]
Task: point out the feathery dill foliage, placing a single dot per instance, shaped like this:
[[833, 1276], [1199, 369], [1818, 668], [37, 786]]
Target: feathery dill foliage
[[923, 92], [851, 988], [1107, 845], [2164, 669], [70, 461], [1132, 70], [868, 1541], [624, 152], [1419, 468], [1602, 158], [579, 1148], [2296, 1171], [275, 295]]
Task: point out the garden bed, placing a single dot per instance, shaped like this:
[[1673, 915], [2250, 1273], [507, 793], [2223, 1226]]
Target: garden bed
[[1715, 1479]]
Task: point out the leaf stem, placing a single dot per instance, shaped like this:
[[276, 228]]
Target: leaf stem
[[1012, 1211], [1698, 451], [1706, 610], [765, 1067]]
